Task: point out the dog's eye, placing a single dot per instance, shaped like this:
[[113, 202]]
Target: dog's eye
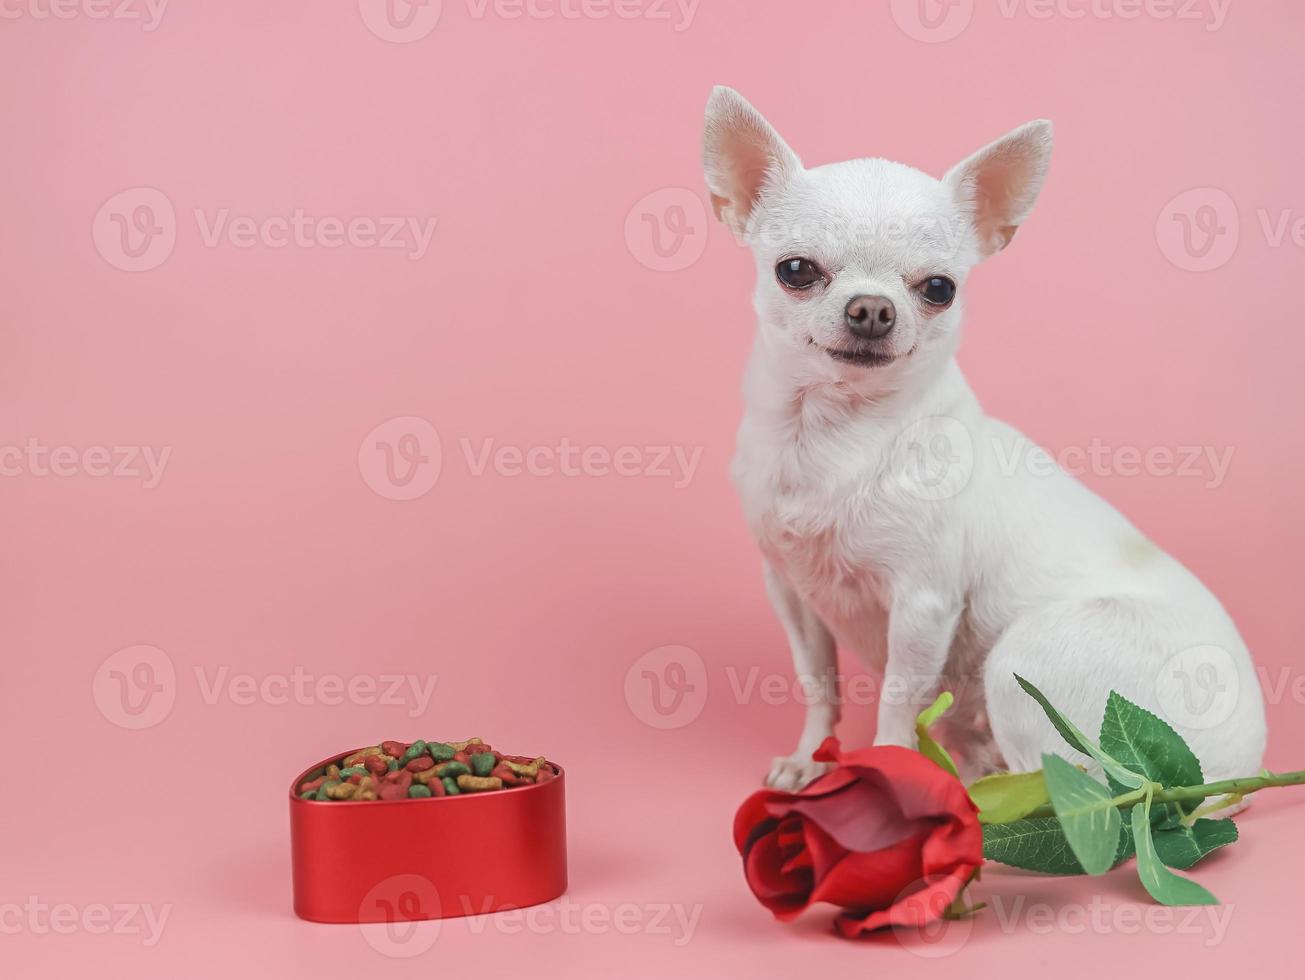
[[938, 290], [798, 273]]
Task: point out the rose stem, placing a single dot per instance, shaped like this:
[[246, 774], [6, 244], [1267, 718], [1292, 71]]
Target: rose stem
[[1241, 786]]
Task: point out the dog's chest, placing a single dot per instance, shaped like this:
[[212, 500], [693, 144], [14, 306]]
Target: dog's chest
[[819, 524], [816, 556]]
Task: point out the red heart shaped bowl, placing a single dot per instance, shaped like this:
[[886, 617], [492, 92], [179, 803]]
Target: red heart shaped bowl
[[388, 860]]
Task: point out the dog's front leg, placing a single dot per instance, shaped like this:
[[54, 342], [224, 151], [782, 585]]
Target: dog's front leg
[[815, 660], [921, 626]]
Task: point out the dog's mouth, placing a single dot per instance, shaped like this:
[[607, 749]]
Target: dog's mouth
[[864, 358]]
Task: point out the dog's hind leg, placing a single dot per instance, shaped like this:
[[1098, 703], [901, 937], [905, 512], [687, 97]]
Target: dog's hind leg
[[1076, 652]]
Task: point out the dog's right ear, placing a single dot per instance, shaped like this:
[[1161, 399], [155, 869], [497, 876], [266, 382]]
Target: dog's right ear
[[741, 154]]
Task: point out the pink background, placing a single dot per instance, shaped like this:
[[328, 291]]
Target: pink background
[[540, 313]]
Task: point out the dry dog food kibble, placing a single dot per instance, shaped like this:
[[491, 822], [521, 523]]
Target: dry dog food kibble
[[423, 770]]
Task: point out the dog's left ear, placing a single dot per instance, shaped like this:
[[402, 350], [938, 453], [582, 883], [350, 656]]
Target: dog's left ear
[[999, 184], [741, 154]]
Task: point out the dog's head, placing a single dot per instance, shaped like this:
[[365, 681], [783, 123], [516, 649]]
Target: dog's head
[[861, 264]]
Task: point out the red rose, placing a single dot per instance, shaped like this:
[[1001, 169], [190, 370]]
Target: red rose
[[888, 836]]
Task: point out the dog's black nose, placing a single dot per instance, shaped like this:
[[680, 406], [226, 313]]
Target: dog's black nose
[[870, 317]]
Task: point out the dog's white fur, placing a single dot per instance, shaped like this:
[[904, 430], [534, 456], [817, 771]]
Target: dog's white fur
[[1016, 571]]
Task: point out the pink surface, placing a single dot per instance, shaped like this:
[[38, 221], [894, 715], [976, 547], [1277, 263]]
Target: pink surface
[[269, 546]]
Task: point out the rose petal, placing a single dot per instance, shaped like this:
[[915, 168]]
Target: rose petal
[[919, 786], [921, 907], [874, 880], [887, 835], [821, 850], [830, 751], [861, 817], [774, 803], [954, 843], [774, 888], [792, 839]]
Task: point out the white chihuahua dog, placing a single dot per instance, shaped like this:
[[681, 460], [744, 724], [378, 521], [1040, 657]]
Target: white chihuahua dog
[[883, 499]]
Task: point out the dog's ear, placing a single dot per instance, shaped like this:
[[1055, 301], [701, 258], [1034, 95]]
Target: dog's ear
[[998, 185], [742, 154]]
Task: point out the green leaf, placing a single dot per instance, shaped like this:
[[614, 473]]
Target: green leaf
[[1034, 845], [1080, 741], [929, 748], [1007, 796], [1143, 743], [1127, 845], [1039, 844], [1182, 847], [1164, 886], [1087, 813]]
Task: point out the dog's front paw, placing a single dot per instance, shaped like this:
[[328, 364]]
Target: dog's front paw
[[792, 772]]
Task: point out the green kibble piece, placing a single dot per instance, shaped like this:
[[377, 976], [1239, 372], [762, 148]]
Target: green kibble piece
[[321, 790], [354, 771], [450, 786], [392, 765], [308, 795], [453, 770], [482, 763], [417, 790], [441, 751]]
